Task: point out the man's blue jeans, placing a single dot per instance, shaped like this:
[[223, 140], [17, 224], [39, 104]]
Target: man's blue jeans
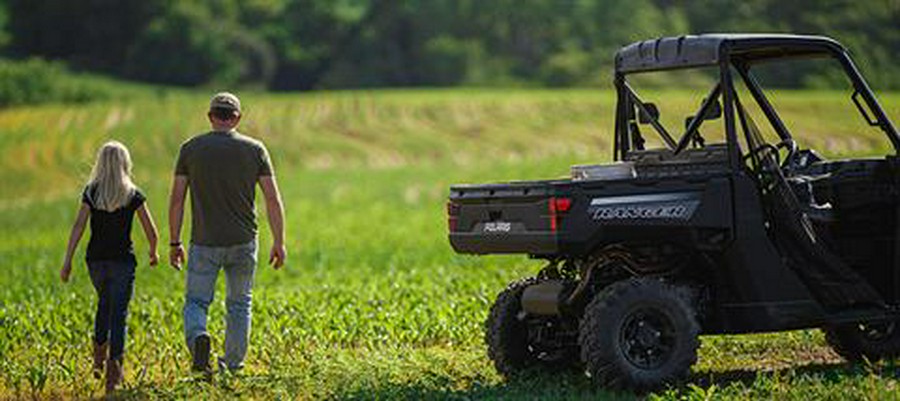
[[203, 265]]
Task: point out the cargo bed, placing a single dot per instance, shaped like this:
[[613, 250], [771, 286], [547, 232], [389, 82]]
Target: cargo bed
[[515, 217]]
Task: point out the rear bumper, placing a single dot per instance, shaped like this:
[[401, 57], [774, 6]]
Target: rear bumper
[[540, 243]]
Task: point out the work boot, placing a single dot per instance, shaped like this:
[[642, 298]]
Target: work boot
[[114, 373], [200, 354], [100, 355]]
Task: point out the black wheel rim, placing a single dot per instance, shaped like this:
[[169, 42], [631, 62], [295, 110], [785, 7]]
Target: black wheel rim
[[647, 338]]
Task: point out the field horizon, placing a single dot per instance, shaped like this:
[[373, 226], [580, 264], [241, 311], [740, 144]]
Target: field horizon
[[373, 303]]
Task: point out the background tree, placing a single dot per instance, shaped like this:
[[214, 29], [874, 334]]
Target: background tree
[[89, 34], [320, 44]]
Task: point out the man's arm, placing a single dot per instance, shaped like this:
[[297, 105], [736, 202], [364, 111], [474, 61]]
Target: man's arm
[[176, 215], [275, 211]]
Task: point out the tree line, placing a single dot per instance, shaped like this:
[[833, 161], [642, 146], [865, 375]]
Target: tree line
[[324, 44]]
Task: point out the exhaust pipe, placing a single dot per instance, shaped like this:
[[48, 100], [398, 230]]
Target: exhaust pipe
[[543, 298]]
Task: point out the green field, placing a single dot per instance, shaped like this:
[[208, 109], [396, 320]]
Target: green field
[[373, 303]]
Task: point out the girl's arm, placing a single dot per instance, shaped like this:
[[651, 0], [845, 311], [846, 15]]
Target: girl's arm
[[149, 231], [74, 237]]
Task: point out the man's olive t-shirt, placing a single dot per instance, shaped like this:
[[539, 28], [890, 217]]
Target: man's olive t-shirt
[[222, 169]]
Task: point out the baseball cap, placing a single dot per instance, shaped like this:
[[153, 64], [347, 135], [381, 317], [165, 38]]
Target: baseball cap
[[225, 100]]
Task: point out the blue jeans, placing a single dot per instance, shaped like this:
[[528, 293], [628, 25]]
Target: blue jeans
[[203, 265], [114, 282]]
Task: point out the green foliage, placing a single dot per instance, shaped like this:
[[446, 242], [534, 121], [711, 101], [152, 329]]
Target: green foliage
[[88, 34], [321, 44], [868, 28], [37, 81], [4, 21], [566, 68], [183, 47], [449, 59]]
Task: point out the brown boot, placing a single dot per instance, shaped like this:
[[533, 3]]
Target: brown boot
[[114, 373], [100, 355]]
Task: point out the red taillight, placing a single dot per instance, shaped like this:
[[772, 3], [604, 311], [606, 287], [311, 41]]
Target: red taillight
[[562, 205], [452, 208], [558, 206], [452, 212]]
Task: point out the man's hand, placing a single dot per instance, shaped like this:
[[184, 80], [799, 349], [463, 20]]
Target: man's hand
[[277, 256], [176, 213], [276, 220], [65, 272], [176, 256]]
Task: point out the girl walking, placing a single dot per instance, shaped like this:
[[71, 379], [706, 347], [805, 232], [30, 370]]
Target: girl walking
[[110, 200]]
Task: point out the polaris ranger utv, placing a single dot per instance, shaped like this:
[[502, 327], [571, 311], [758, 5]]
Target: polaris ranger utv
[[751, 233]]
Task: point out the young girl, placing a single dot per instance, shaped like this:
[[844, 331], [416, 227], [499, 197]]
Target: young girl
[[110, 200]]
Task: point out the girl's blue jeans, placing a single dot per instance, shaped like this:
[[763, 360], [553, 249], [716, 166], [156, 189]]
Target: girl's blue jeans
[[114, 282]]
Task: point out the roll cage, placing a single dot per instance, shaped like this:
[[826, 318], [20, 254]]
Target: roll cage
[[730, 54]]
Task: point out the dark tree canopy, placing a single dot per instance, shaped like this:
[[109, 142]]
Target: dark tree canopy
[[317, 44]]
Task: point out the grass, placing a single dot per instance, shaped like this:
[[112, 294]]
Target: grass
[[373, 303]]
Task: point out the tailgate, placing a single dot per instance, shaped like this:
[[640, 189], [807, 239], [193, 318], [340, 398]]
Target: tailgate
[[503, 218]]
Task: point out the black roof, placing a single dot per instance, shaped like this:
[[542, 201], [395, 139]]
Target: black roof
[[704, 50]]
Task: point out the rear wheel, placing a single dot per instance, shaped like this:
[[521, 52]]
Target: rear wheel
[[639, 334], [872, 341], [517, 342]]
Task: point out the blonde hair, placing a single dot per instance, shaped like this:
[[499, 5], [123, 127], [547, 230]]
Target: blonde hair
[[110, 182]]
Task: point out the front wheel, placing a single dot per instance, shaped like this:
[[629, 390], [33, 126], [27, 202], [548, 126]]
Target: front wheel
[[872, 341], [639, 334]]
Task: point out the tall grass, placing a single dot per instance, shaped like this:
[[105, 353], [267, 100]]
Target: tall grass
[[373, 303]]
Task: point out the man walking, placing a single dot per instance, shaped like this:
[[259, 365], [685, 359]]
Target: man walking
[[221, 169]]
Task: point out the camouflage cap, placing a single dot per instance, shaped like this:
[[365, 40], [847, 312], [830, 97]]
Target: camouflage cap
[[225, 100]]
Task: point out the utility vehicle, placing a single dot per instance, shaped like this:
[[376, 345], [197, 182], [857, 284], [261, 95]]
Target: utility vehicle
[[730, 227]]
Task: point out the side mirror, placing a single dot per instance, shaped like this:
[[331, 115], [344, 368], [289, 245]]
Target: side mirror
[[645, 118]]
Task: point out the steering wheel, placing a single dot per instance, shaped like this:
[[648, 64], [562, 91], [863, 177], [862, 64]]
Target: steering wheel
[[774, 152], [766, 164], [791, 146], [763, 153]]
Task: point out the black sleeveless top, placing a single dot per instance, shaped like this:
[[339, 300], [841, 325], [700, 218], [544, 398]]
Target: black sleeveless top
[[111, 231]]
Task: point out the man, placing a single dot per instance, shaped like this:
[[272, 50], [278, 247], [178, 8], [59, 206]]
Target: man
[[221, 168]]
